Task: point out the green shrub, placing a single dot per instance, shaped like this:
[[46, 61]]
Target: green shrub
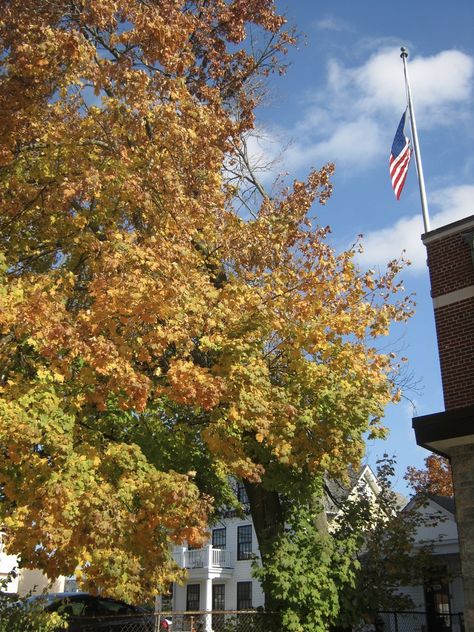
[[17, 615]]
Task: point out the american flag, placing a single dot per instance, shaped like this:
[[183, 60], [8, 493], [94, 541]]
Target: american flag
[[400, 158]]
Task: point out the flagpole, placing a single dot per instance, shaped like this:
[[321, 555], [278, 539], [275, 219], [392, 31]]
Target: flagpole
[[419, 166]]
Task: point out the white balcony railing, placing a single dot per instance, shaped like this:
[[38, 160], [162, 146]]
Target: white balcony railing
[[194, 558], [208, 557], [221, 558]]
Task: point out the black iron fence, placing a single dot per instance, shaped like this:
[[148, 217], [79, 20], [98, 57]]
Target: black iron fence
[[417, 622]]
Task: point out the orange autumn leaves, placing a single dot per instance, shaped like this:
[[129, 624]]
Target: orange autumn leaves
[[434, 479], [129, 281]]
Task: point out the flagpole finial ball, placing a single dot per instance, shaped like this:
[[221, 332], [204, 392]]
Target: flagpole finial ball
[[404, 52]]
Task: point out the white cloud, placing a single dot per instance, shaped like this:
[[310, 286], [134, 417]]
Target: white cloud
[[436, 81], [454, 203], [331, 23], [380, 246], [263, 150], [262, 153], [351, 120], [342, 146]]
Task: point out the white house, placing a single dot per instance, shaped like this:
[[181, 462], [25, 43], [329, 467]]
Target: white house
[[444, 597], [27, 581], [220, 574]]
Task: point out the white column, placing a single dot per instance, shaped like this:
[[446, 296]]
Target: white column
[[208, 605], [181, 557], [208, 556]]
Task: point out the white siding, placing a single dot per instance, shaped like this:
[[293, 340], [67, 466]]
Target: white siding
[[242, 570], [7, 564]]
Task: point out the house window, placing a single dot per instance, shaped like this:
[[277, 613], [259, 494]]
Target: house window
[[194, 547], [244, 595], [218, 596], [242, 494], [193, 597], [218, 538], [244, 542], [218, 603], [70, 584]]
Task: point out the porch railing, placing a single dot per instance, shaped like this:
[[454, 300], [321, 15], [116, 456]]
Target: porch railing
[[194, 558], [208, 557], [221, 558]]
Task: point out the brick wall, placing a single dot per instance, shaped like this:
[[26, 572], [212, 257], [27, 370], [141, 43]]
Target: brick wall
[[450, 264], [455, 333], [452, 288], [462, 462]]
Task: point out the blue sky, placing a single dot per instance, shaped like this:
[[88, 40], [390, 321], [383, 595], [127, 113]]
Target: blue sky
[[341, 100]]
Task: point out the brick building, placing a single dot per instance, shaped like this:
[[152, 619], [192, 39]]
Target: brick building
[[450, 433]]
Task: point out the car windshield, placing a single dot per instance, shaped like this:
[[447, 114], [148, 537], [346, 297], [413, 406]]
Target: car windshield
[[110, 607], [76, 606], [70, 608]]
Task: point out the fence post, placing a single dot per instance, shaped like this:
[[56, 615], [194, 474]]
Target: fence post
[[157, 613], [396, 621]]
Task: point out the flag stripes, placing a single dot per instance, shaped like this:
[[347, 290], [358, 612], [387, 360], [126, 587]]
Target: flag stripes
[[399, 158], [399, 169]]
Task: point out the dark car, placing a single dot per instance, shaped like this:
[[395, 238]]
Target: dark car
[[86, 612]]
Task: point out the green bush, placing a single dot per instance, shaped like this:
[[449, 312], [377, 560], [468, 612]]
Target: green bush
[[17, 615], [14, 617]]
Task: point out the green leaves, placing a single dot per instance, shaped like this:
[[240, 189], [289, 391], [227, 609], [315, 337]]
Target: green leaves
[[308, 573], [17, 615], [321, 579]]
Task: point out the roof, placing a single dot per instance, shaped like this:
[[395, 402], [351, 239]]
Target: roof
[[446, 502], [337, 491]]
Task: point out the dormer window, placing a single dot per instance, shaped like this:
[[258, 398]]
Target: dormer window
[[242, 494]]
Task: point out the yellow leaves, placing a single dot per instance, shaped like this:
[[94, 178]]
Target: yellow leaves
[[193, 385], [45, 375], [128, 275], [88, 505], [233, 414]]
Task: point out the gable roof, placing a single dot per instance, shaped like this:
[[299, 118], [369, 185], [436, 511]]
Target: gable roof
[[446, 502], [337, 491]]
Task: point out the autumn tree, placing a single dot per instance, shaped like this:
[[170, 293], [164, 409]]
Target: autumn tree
[[434, 479], [154, 339]]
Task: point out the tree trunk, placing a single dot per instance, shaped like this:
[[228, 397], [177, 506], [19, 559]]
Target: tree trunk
[[268, 521]]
